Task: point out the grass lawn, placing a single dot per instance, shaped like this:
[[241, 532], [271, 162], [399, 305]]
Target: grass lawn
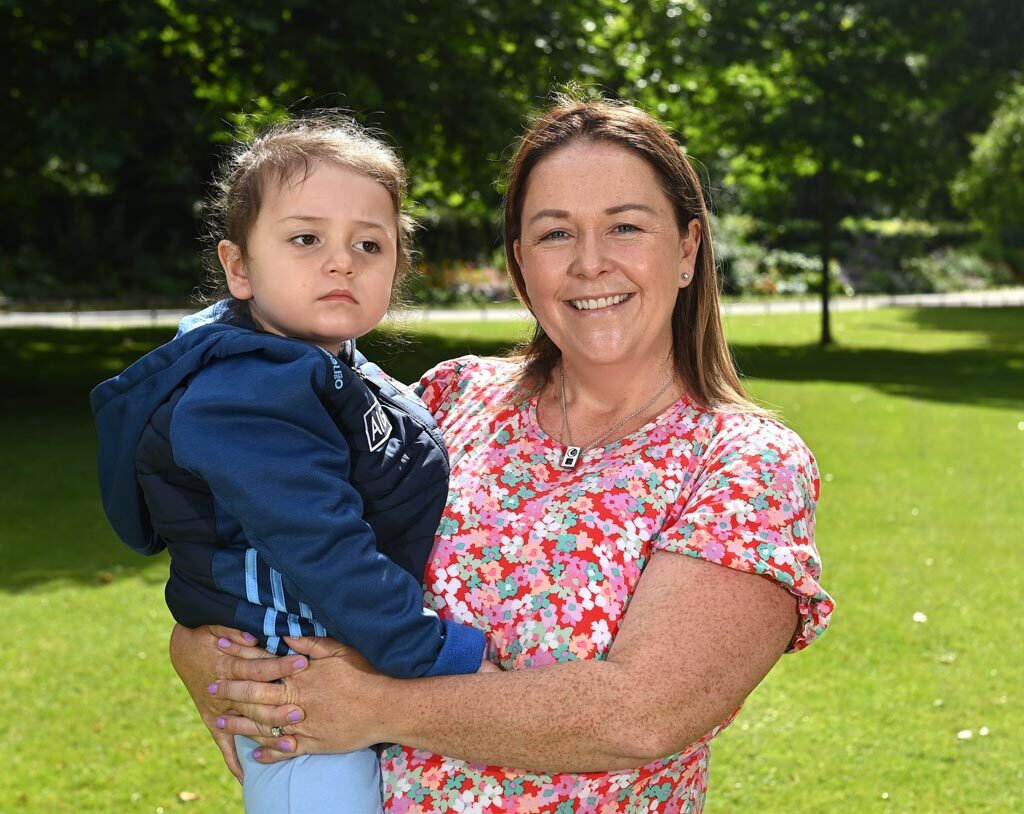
[[917, 420]]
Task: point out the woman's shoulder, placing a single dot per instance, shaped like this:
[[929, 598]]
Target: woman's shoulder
[[484, 378], [476, 368], [758, 437]]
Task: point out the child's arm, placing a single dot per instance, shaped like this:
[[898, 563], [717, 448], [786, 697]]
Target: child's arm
[[256, 432]]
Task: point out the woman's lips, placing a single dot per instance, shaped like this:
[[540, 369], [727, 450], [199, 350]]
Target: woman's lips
[[598, 303]]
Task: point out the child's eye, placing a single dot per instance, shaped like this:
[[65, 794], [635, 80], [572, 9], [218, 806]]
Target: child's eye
[[368, 246], [304, 240]]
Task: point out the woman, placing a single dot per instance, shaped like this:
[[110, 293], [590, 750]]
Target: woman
[[580, 475]]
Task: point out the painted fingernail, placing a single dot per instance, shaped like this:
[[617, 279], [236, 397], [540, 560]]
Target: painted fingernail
[[222, 642], [212, 689], [284, 746], [221, 723], [294, 716], [257, 754], [249, 638], [299, 663]]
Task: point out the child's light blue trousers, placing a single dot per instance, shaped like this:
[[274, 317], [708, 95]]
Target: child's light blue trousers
[[311, 784]]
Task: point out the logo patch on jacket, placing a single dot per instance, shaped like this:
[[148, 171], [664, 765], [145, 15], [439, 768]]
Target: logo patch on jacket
[[378, 428]]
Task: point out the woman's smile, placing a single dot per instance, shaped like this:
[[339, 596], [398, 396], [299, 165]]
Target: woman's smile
[[599, 304]]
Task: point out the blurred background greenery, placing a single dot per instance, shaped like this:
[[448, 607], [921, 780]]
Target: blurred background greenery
[[880, 139]]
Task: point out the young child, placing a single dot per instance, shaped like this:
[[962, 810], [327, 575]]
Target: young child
[[296, 487]]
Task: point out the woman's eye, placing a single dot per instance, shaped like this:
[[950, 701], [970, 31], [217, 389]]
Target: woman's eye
[[555, 234], [626, 228], [304, 240], [368, 246]]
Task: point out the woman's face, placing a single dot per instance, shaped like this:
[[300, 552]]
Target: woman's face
[[601, 255]]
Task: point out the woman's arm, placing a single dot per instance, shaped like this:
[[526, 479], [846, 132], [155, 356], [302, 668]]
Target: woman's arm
[[696, 640]]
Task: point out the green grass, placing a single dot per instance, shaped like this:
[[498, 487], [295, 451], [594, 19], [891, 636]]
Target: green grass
[[917, 420]]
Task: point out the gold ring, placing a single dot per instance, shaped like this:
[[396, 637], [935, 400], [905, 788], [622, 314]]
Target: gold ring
[[277, 731]]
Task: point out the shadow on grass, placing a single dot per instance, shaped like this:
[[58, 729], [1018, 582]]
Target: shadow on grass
[[54, 530], [52, 527], [40, 364], [1003, 328], [980, 377]]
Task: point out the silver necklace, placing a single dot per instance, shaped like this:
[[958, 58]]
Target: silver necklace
[[572, 453]]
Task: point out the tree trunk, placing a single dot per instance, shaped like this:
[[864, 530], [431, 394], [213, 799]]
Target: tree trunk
[[826, 256], [826, 250]]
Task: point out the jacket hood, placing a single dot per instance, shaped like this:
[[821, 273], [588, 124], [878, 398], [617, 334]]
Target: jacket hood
[[123, 406]]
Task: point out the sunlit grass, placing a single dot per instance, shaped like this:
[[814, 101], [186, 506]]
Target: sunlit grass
[[916, 418]]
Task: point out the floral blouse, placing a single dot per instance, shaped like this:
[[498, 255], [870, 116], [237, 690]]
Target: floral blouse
[[545, 561]]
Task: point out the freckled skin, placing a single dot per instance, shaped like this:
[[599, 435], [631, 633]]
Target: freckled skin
[[696, 640], [596, 223]]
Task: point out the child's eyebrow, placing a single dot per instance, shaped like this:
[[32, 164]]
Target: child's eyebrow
[[372, 224], [313, 218]]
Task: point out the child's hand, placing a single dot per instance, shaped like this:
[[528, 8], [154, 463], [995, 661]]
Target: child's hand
[[488, 667]]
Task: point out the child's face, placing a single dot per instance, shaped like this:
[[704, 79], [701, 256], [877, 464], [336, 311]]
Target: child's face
[[322, 257]]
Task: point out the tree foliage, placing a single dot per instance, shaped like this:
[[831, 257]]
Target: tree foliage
[[991, 188], [794, 110]]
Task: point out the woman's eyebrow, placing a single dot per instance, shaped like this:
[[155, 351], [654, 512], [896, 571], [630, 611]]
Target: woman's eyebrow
[[629, 207], [611, 210], [548, 213]]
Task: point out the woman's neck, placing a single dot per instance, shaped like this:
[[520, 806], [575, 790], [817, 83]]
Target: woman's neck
[[611, 389]]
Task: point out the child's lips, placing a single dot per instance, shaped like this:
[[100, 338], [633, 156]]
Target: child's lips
[[338, 296]]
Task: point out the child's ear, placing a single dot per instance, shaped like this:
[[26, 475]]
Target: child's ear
[[230, 256]]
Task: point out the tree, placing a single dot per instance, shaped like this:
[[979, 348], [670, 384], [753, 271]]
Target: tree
[[122, 107], [809, 108], [821, 110], [991, 188]]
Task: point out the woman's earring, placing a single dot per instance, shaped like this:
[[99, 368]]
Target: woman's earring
[[685, 275]]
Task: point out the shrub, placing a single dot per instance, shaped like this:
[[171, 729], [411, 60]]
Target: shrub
[[948, 270], [738, 257], [990, 189]]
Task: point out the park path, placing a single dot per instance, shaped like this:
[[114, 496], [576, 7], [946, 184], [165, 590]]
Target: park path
[[994, 298]]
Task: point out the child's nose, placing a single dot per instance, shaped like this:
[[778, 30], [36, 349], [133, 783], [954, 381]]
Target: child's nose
[[340, 262]]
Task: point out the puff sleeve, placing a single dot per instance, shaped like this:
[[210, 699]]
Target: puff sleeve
[[750, 506]]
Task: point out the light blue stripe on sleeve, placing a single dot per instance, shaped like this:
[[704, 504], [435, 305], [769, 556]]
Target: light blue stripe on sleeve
[[252, 590], [304, 611], [319, 629], [278, 588], [270, 622], [294, 627], [270, 630]]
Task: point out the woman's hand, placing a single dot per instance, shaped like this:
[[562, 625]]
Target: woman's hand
[[330, 706], [205, 654]]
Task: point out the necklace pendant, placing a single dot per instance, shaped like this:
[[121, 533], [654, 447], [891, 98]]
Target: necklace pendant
[[571, 457]]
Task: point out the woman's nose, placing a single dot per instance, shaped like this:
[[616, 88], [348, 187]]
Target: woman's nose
[[590, 259]]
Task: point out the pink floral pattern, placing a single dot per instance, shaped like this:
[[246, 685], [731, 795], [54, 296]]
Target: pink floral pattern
[[545, 562]]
